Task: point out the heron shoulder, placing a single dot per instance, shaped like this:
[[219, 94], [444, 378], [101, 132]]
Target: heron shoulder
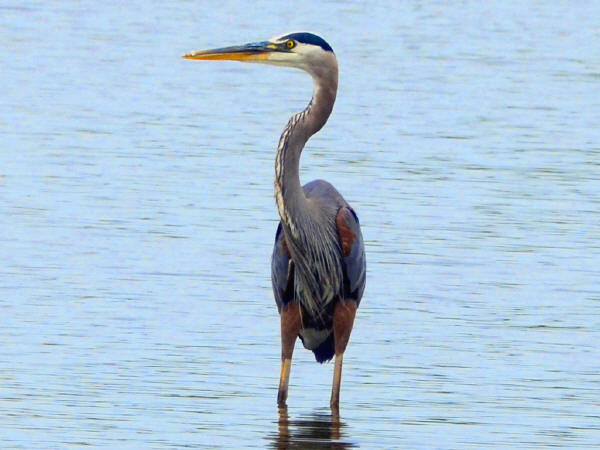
[[321, 189]]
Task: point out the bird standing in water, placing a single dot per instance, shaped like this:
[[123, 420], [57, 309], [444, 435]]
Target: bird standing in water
[[318, 266]]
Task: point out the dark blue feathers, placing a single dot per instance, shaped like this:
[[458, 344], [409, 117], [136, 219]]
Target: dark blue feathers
[[326, 350], [309, 38]]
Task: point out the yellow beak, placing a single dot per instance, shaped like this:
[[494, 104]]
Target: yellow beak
[[257, 51]]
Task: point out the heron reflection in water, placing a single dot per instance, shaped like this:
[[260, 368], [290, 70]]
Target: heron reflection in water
[[318, 265], [318, 430]]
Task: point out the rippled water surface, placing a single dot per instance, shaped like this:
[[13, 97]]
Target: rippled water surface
[[137, 219]]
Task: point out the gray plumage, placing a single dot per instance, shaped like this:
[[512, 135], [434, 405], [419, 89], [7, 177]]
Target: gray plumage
[[318, 265], [316, 268]]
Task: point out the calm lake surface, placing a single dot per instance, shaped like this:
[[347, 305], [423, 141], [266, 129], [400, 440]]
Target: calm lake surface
[[137, 219]]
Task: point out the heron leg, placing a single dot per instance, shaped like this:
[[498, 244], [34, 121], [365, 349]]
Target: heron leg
[[343, 320], [291, 322]]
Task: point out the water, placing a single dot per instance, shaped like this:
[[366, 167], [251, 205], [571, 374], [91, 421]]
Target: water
[[137, 219]]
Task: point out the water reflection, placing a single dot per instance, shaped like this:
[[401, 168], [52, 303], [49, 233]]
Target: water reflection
[[319, 430]]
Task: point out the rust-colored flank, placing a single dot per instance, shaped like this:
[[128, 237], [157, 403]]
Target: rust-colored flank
[[345, 233], [286, 249]]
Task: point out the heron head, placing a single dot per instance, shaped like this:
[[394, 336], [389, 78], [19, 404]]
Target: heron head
[[301, 50]]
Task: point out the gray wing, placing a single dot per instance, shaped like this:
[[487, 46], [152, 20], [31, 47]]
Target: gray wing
[[282, 271], [353, 253]]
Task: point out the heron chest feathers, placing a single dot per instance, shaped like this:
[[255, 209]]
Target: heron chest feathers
[[318, 274], [308, 216]]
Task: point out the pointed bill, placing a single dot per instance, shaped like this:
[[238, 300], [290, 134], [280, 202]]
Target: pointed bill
[[256, 51]]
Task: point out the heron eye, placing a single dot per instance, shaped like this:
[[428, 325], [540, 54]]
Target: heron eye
[[290, 44]]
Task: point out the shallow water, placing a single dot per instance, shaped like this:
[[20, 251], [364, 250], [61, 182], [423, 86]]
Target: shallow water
[[137, 218]]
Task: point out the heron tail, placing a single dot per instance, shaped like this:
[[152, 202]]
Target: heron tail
[[325, 351]]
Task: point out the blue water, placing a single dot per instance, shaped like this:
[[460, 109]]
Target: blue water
[[137, 219]]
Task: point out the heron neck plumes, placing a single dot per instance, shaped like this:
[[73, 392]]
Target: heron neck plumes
[[289, 195], [309, 227]]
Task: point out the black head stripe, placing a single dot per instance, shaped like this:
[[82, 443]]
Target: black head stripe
[[309, 38]]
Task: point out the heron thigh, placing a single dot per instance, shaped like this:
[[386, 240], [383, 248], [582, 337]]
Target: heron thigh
[[291, 322], [343, 320]]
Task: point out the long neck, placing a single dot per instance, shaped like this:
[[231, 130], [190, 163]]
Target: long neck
[[291, 201]]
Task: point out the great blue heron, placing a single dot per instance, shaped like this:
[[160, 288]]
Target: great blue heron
[[318, 266]]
